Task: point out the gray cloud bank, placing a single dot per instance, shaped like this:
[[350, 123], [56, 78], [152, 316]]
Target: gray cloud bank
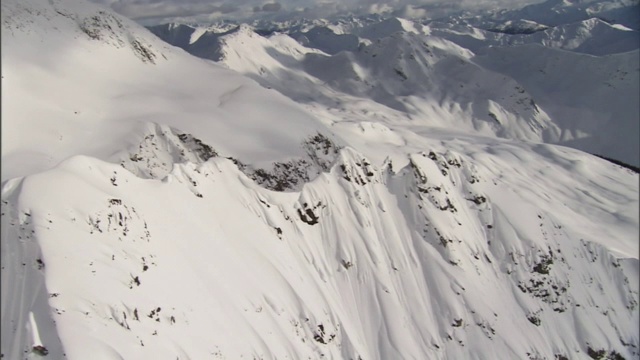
[[151, 12]]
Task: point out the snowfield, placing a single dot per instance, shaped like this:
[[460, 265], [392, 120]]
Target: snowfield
[[568, 85], [160, 206]]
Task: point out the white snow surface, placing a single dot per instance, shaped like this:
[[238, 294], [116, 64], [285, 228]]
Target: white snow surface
[[527, 89], [136, 224], [77, 95]]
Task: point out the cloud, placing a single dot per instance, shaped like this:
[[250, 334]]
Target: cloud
[[271, 7], [379, 8], [151, 12], [157, 9], [268, 7], [412, 12]]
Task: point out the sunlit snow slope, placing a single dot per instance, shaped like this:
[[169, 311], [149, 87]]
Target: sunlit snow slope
[[571, 84], [79, 79], [140, 218]]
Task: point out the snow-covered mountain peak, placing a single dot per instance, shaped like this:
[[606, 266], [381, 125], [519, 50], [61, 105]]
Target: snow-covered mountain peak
[[89, 21], [558, 12], [391, 199], [519, 27], [388, 27], [103, 121], [242, 30]]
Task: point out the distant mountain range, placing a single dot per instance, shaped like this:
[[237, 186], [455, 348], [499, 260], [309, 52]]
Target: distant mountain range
[[567, 81]]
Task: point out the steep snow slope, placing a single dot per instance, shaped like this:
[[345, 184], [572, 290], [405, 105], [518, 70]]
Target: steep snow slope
[[593, 36], [325, 39], [179, 35], [434, 82], [441, 258], [388, 27], [558, 12], [183, 36], [84, 81], [154, 233], [407, 79], [595, 112]]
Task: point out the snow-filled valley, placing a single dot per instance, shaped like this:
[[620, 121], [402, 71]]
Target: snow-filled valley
[[366, 190], [567, 85]]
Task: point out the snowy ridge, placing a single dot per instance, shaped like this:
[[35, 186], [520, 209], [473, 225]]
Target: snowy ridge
[[392, 240], [94, 22], [163, 147], [327, 40], [447, 76], [387, 28], [405, 74], [598, 116], [592, 36], [58, 117], [557, 12]]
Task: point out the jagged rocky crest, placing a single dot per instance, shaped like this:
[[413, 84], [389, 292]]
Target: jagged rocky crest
[[163, 146], [437, 227], [98, 25]]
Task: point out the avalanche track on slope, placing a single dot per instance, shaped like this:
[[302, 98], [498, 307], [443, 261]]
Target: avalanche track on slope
[[442, 256]]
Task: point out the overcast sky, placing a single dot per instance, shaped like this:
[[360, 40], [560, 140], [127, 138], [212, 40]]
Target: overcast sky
[[151, 12]]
